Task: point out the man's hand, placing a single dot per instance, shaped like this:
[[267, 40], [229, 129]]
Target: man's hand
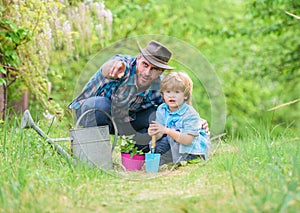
[[205, 126], [114, 69]]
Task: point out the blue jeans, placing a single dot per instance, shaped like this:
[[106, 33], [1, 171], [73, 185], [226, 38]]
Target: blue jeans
[[162, 145], [169, 150], [138, 127]]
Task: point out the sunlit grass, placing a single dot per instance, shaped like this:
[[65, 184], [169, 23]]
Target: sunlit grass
[[258, 173]]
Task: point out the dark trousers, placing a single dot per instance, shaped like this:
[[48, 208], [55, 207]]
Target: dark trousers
[[138, 127]]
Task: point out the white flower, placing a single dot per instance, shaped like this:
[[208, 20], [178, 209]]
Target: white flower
[[123, 143]]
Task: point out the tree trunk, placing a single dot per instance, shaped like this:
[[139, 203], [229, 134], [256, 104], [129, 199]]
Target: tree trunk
[[21, 105]]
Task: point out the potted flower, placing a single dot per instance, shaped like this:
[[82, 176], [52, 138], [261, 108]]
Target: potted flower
[[132, 158]]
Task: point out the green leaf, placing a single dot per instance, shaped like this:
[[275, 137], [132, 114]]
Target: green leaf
[[9, 52], [2, 82], [2, 70], [8, 25], [15, 38]]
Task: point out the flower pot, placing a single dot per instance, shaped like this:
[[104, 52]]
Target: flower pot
[[132, 164]]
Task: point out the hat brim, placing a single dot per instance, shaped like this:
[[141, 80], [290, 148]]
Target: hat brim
[[152, 61]]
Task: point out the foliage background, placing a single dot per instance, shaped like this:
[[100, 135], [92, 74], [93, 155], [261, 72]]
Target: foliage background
[[252, 45]]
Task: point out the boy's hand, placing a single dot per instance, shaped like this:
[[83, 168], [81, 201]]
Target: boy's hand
[[156, 128], [205, 126]]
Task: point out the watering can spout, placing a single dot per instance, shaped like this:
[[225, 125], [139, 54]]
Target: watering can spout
[[27, 121]]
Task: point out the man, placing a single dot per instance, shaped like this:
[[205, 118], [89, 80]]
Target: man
[[127, 88]]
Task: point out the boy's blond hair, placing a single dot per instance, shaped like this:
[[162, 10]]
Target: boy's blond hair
[[178, 81]]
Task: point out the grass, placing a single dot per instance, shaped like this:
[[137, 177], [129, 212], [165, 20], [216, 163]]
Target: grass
[[256, 173]]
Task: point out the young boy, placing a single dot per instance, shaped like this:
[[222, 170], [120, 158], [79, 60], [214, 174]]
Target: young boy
[[178, 124]]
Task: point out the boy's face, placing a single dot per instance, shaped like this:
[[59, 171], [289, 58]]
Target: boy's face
[[174, 99], [146, 73]]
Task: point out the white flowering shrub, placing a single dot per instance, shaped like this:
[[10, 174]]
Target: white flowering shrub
[[56, 28]]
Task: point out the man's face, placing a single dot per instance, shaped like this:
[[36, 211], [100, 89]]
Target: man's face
[[146, 73]]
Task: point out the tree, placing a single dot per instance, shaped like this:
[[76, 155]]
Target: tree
[[57, 31]]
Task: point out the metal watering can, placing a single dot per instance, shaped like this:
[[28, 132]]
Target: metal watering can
[[90, 145]]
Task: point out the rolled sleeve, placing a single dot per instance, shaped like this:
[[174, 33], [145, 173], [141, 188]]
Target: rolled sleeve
[[192, 125]]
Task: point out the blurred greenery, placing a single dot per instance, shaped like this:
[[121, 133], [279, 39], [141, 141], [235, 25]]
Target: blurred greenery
[[252, 45]]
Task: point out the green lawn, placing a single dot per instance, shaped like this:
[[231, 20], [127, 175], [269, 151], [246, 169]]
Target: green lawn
[[256, 173]]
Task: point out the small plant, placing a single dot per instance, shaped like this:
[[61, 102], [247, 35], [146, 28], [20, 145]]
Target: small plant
[[127, 145]]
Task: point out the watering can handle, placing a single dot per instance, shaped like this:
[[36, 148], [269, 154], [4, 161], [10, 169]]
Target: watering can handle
[[112, 120]]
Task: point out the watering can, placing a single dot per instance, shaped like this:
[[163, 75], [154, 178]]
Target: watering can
[[90, 145]]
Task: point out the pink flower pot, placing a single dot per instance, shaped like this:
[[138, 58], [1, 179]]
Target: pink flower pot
[[133, 164]]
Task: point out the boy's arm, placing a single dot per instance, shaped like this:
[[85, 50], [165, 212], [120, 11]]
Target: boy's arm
[[159, 130], [182, 138]]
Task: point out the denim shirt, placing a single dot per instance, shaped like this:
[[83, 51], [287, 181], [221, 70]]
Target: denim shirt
[[185, 120]]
